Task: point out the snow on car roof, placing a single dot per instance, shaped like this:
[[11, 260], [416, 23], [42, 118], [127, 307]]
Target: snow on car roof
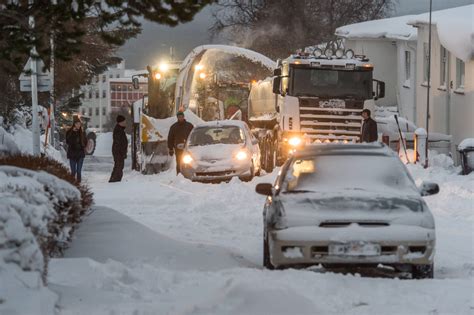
[[223, 123], [350, 148]]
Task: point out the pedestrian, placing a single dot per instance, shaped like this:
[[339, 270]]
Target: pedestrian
[[119, 149], [177, 137], [76, 144], [369, 128]]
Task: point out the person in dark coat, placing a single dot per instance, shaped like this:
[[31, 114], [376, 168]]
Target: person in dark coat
[[177, 137], [369, 128], [76, 144], [119, 149]]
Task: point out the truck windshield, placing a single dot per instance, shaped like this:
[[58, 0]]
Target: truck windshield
[[327, 83]]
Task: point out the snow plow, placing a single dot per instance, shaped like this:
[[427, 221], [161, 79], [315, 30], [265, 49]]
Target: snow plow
[[312, 98]]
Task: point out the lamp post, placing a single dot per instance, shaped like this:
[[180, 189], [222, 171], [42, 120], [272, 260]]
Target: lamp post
[[428, 88]]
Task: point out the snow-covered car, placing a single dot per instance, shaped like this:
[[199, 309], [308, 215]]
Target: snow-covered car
[[348, 205], [220, 150]]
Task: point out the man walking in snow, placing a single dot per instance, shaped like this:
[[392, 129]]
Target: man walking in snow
[[369, 128], [177, 137], [119, 149]]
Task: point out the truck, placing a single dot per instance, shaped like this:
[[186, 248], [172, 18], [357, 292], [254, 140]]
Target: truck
[[311, 98]]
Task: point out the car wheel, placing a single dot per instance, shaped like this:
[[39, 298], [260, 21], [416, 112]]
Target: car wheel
[[422, 271], [248, 178], [266, 255], [91, 143]]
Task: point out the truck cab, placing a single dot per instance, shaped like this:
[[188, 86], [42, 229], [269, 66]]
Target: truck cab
[[323, 96]]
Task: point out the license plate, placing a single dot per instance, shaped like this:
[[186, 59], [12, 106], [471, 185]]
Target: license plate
[[354, 249]]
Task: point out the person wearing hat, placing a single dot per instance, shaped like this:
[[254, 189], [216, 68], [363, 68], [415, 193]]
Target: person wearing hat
[[177, 137], [119, 149], [76, 144]]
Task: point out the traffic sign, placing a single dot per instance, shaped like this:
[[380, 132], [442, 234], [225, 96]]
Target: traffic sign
[[43, 77]]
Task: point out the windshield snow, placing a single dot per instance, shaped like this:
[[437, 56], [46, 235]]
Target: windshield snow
[[349, 173], [331, 83], [216, 135]]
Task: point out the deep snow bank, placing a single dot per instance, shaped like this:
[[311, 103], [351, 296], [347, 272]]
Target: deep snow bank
[[31, 226]]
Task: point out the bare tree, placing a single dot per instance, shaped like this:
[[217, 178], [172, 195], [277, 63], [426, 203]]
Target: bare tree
[[277, 28]]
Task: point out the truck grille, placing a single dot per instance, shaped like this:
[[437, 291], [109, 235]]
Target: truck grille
[[331, 123]]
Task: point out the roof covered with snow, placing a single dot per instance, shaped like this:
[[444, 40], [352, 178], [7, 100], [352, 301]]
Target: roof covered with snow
[[455, 29], [391, 28]]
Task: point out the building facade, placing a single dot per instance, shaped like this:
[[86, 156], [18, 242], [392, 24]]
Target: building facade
[[108, 92]]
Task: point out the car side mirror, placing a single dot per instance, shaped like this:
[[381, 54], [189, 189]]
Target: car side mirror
[[180, 146], [429, 188], [264, 189]]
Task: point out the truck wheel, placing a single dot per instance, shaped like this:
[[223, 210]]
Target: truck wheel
[[422, 271], [91, 143], [266, 255], [269, 165]]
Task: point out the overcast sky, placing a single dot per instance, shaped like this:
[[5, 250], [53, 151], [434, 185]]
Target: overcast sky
[[153, 44]]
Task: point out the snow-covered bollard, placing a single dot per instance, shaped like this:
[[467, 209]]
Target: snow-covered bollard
[[420, 145]]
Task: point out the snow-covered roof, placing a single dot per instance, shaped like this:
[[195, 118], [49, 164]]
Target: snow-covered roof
[[391, 28], [455, 29]]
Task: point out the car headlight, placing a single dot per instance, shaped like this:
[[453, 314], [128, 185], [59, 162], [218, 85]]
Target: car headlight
[[187, 159], [241, 155], [295, 141]]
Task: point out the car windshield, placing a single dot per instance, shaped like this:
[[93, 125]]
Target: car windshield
[[331, 83], [335, 173], [216, 135]]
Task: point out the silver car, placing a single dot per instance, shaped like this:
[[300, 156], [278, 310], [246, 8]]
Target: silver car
[[220, 150], [345, 205]]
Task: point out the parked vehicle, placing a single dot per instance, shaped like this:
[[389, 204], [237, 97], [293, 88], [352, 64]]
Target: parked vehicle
[[220, 150], [348, 205]]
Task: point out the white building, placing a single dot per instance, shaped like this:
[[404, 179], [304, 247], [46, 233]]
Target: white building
[[390, 44], [452, 72], [96, 102], [398, 48]]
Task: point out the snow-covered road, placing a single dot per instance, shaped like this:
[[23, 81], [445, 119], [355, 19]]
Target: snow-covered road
[[176, 247]]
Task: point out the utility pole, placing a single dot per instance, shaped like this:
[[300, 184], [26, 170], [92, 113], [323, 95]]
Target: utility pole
[[428, 89], [52, 106], [100, 102], [34, 89]]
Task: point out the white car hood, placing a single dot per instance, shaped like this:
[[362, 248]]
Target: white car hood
[[312, 209], [214, 151]]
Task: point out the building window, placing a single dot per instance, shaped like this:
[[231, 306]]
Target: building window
[[111, 76], [426, 61], [90, 111], [443, 67], [97, 111], [104, 78], [104, 111], [83, 111], [90, 94], [117, 76], [460, 73], [407, 67], [97, 79], [97, 94], [104, 93]]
